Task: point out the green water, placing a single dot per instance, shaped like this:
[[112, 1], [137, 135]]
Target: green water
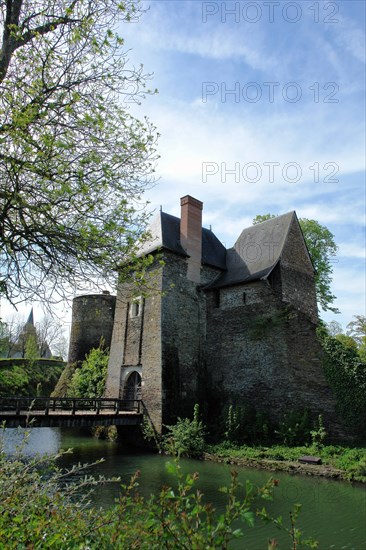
[[334, 513]]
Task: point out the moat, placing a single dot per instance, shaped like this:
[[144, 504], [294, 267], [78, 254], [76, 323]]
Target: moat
[[333, 512]]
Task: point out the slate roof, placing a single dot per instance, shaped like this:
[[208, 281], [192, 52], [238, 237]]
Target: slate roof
[[165, 234], [30, 320], [253, 257], [256, 252]]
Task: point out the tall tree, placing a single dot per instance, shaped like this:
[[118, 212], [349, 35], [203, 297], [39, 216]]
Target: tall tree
[[73, 161], [357, 330], [334, 328], [50, 335], [322, 249]]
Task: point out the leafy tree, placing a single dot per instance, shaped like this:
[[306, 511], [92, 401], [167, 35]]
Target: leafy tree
[[322, 249], [357, 330], [49, 334], [89, 379], [12, 335], [334, 328], [346, 375], [347, 341], [31, 349], [73, 161], [3, 339]]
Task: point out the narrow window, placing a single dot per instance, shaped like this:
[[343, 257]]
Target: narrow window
[[135, 308], [244, 297], [217, 297]]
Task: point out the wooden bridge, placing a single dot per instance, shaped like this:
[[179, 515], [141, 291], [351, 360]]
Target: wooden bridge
[[69, 412]]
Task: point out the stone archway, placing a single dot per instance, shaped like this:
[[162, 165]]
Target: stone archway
[[132, 389]]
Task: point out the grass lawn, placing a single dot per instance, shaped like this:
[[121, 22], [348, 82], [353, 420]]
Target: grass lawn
[[351, 461]]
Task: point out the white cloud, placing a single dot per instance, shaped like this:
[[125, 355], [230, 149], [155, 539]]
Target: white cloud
[[352, 250]]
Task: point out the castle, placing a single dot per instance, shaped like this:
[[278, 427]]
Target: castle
[[220, 325]]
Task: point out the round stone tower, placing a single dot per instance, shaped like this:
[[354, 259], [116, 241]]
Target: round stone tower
[[92, 319]]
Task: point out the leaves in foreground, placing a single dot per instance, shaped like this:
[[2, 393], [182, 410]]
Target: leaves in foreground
[[43, 506]]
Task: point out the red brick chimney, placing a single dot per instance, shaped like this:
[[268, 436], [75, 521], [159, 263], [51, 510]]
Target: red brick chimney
[[191, 235]]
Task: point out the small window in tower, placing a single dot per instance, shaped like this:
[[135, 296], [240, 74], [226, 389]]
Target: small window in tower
[[217, 297], [135, 307], [244, 297]]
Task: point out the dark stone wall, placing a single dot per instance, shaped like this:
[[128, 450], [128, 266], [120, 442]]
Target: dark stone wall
[[183, 337], [264, 354], [92, 319], [297, 274]]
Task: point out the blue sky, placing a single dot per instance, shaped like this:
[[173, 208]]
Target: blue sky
[[244, 85], [272, 86]]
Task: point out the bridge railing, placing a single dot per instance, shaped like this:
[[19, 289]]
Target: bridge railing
[[19, 405]]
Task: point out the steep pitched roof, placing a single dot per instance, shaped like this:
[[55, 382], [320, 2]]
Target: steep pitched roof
[[165, 234], [256, 252], [254, 255], [30, 320]]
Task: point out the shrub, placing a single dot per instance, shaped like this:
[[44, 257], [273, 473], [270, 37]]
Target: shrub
[[244, 424], [186, 437], [89, 379], [294, 428], [346, 375], [38, 510], [18, 377], [318, 434]]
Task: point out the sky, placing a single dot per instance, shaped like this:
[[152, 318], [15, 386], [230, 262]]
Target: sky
[[261, 109]]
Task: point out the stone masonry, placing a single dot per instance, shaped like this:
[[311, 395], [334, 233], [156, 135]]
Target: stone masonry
[[221, 326]]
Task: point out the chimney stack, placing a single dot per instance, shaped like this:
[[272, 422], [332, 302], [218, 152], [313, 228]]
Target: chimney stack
[[191, 235]]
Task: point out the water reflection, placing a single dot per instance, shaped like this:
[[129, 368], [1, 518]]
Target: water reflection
[[32, 442], [332, 512]]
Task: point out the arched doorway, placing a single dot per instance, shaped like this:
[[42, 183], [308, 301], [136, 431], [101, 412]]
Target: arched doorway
[[132, 390]]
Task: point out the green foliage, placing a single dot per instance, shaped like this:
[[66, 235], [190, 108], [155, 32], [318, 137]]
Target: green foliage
[[318, 434], [186, 437], [31, 349], [262, 324], [232, 424], [294, 428], [149, 433], [357, 330], [74, 161], [346, 375], [64, 381], [262, 218], [105, 432], [347, 341], [3, 339], [244, 423], [350, 460], [89, 379], [38, 510], [295, 533], [322, 249], [18, 377]]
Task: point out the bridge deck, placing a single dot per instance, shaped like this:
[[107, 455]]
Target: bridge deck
[[69, 412]]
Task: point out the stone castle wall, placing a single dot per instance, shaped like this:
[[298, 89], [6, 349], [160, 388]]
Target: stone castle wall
[[92, 319], [136, 344], [264, 354], [183, 337]]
